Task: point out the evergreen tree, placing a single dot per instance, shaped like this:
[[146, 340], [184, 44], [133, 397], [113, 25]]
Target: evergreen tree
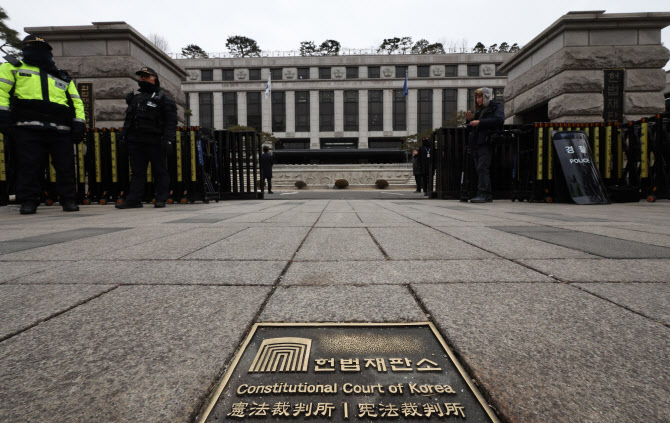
[[240, 46], [8, 35], [193, 51]]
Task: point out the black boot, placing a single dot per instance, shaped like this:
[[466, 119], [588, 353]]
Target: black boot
[[70, 206], [128, 205], [28, 208]]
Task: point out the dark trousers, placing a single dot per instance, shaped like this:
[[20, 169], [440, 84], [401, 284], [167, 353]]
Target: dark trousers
[[417, 179], [33, 148], [423, 182], [269, 184], [140, 156], [482, 155]]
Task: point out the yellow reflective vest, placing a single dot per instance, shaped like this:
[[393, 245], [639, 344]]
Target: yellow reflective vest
[[38, 99]]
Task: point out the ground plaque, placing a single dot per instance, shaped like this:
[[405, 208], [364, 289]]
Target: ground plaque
[[346, 372]]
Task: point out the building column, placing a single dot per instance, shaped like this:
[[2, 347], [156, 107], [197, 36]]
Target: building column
[[339, 111], [194, 100], [218, 110], [387, 108], [314, 142], [437, 108], [363, 119], [462, 101], [412, 109], [242, 108], [266, 112], [290, 113]]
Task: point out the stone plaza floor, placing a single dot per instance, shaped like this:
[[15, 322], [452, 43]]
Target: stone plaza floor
[[561, 313]]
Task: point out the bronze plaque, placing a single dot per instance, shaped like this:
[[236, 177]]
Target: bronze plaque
[[85, 90], [325, 372]]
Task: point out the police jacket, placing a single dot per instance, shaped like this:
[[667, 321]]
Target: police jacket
[[150, 118], [266, 165], [427, 157], [491, 119], [416, 165], [38, 99]]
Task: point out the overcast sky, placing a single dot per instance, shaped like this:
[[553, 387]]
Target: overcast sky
[[283, 24]]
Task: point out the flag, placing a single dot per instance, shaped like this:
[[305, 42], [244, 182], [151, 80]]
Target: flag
[[268, 87], [405, 86]]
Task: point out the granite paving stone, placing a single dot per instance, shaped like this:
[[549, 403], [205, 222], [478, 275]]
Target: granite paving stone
[[161, 272], [294, 219], [134, 354], [598, 245], [339, 244], [339, 220], [510, 245], [22, 306], [253, 217], [604, 270], [553, 353], [423, 243], [338, 207], [378, 303], [403, 272], [649, 299], [179, 244], [267, 243], [622, 233], [89, 247], [13, 269]]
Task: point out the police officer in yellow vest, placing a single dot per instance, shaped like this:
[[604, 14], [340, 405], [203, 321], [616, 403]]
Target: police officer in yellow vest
[[40, 107]]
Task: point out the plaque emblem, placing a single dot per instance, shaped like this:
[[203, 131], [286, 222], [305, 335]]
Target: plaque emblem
[[282, 355]]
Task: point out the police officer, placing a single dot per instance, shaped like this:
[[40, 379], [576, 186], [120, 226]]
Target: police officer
[[41, 109], [149, 130]]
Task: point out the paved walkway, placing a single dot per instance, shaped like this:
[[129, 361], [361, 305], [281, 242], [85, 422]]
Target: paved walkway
[[560, 312]]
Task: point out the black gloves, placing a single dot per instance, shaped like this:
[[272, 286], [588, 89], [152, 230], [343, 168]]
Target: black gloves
[[166, 143], [5, 120], [78, 130]]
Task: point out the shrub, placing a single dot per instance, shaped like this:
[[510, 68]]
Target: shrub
[[341, 184], [300, 184], [382, 183]]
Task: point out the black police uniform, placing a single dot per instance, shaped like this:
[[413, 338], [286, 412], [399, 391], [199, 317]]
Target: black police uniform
[[149, 130]]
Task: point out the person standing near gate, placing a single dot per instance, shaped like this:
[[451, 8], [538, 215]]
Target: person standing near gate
[[41, 108], [416, 169], [427, 160], [487, 119], [266, 168], [149, 130]]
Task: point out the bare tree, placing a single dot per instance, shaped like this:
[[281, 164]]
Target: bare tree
[[159, 41], [463, 46]]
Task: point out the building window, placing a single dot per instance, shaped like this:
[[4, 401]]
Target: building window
[[424, 110], [498, 96], [423, 71], [450, 70], [229, 109], [471, 99], [449, 105], [351, 110], [352, 72], [254, 111], [373, 72], [276, 74], [254, 74], [399, 110], [473, 70], [326, 111], [400, 71], [303, 73], [207, 75], [375, 110], [188, 107], [302, 111], [278, 111], [324, 73], [228, 74], [206, 110]]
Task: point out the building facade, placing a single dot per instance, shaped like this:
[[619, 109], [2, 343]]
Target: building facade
[[338, 101]]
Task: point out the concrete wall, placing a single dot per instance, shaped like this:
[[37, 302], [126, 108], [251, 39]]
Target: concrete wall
[[108, 54], [561, 69]]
